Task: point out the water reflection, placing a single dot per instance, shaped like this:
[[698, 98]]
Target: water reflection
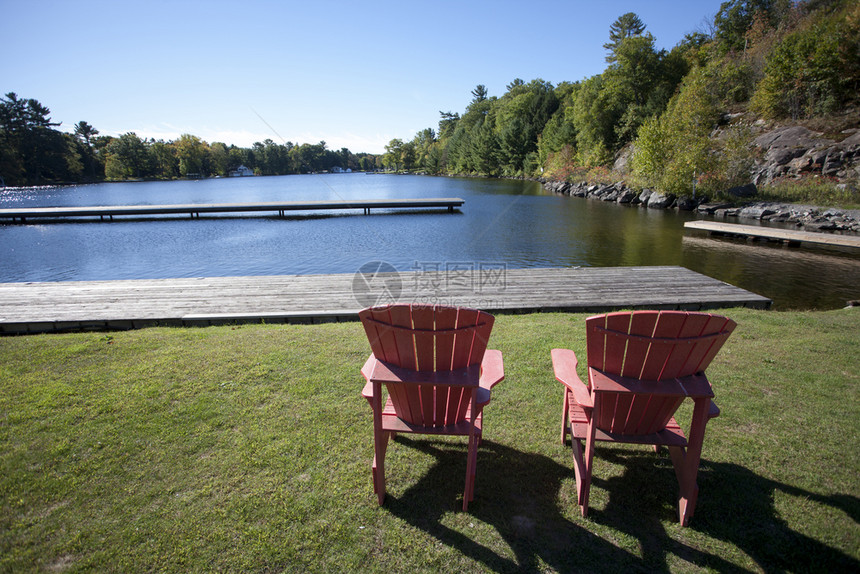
[[826, 279]]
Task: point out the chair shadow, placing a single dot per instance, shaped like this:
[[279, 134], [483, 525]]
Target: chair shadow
[[517, 493]]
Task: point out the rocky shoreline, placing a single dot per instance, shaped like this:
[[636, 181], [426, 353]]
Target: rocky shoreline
[[783, 152], [809, 217]]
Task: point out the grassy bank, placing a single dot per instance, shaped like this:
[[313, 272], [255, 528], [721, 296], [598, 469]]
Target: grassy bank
[[248, 449]]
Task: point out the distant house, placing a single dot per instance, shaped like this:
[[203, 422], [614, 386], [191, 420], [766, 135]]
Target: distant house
[[338, 169], [241, 171]]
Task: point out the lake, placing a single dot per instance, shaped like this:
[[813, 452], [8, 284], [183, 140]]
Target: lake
[[514, 223]]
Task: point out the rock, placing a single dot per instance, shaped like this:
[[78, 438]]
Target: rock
[[686, 203], [748, 190], [756, 212], [626, 196], [791, 137], [578, 190], [832, 165], [622, 160], [820, 225], [803, 163], [643, 196], [782, 155], [851, 140], [659, 200], [779, 217], [728, 212], [710, 208]]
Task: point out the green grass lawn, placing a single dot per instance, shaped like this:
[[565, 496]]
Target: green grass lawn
[[248, 449]]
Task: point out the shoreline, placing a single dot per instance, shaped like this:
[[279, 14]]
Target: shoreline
[[809, 217]]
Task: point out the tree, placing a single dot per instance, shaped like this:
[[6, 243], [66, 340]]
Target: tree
[[626, 26], [85, 132], [812, 71], [484, 149], [735, 17], [675, 149], [165, 162], [127, 157], [447, 124], [479, 93], [191, 152], [32, 150], [392, 158], [423, 143], [520, 115], [218, 159]]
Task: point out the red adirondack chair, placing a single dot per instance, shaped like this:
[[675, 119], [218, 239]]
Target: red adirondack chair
[[641, 367], [438, 372]]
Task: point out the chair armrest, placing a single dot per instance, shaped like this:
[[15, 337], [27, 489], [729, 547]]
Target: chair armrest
[[382, 372], [692, 386], [713, 410], [564, 364], [492, 369], [366, 370]]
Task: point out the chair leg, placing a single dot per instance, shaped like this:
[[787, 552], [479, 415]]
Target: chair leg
[[686, 462], [380, 444], [585, 484], [471, 470], [378, 466], [565, 417]]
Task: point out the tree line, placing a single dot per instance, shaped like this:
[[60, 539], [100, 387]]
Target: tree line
[[774, 59], [34, 152]]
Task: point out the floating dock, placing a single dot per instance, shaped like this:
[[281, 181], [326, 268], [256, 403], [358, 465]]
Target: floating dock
[[129, 304], [790, 236], [195, 209]]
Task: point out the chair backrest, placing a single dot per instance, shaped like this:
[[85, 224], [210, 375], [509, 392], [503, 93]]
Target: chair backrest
[[650, 346], [428, 338]]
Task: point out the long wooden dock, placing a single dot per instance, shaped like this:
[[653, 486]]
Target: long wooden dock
[[789, 236], [113, 305], [195, 209]]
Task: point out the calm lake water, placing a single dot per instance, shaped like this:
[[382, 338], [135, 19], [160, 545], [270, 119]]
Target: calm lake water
[[511, 222]]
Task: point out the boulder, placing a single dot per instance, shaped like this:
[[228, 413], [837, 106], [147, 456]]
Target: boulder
[[626, 196], [791, 137], [782, 155], [727, 212], [659, 200], [686, 203], [710, 208], [756, 211]]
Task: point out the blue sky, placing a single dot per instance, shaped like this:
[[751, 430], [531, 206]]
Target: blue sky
[[353, 73]]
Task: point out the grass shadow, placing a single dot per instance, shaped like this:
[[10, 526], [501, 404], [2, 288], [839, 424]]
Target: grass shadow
[[519, 495], [735, 505]]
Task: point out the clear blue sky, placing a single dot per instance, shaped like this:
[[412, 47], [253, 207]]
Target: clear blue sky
[[353, 73]]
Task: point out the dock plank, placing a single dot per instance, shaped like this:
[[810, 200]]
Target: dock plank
[[195, 209], [125, 304], [791, 236]]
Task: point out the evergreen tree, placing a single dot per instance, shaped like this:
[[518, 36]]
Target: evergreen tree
[[626, 26]]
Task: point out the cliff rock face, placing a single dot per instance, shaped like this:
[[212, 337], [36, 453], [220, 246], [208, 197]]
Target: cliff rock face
[[796, 151]]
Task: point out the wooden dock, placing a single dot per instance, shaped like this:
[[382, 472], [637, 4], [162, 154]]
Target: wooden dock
[[114, 305], [790, 236], [195, 209]]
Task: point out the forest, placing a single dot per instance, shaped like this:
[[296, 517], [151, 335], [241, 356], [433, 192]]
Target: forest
[[773, 60], [778, 60]]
